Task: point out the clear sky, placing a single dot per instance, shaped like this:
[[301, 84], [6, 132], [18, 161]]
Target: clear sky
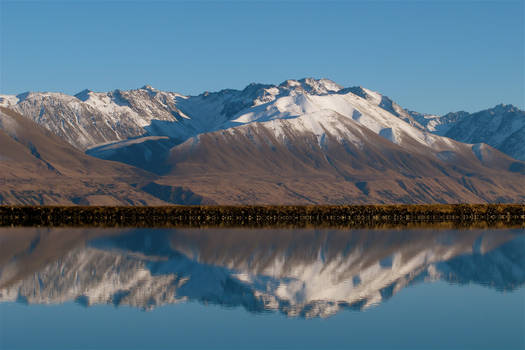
[[429, 56]]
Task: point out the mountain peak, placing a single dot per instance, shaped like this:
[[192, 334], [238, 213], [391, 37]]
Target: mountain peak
[[311, 85], [504, 108], [149, 88], [152, 92], [324, 82]]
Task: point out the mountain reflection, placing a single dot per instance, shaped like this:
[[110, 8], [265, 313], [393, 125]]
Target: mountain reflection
[[306, 272]]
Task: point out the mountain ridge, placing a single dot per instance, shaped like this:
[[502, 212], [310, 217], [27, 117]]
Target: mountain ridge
[[155, 117], [302, 141]]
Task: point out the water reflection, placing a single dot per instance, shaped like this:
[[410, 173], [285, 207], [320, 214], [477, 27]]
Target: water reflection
[[306, 273]]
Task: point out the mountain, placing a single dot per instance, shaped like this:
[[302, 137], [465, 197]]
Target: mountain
[[437, 124], [502, 127], [308, 273], [304, 141], [91, 118], [37, 167], [250, 164]]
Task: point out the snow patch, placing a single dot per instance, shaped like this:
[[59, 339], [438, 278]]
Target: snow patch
[[8, 100]]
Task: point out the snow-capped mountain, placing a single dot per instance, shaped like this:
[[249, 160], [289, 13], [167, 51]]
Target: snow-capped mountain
[[282, 142], [312, 273], [91, 118], [437, 124], [502, 127]]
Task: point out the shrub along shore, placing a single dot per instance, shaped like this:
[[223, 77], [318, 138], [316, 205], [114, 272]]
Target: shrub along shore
[[467, 215]]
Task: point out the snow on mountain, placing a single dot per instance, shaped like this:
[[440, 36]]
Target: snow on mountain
[[307, 106], [352, 136], [313, 111], [436, 124], [8, 100], [502, 127], [308, 274], [89, 119]]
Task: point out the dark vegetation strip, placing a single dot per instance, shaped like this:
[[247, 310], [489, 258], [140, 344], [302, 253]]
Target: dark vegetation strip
[[266, 216]]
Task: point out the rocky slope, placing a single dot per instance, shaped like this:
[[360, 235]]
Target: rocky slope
[[37, 167]]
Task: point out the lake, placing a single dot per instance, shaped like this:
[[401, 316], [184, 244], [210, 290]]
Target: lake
[[418, 288]]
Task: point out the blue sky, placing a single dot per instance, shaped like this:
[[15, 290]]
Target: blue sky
[[429, 56]]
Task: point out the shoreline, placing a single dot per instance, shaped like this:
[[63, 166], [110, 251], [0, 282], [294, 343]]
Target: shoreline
[[350, 216]]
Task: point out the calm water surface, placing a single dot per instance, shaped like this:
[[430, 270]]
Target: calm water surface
[[262, 288]]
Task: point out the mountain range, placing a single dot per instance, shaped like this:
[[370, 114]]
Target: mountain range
[[300, 273], [304, 141]]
